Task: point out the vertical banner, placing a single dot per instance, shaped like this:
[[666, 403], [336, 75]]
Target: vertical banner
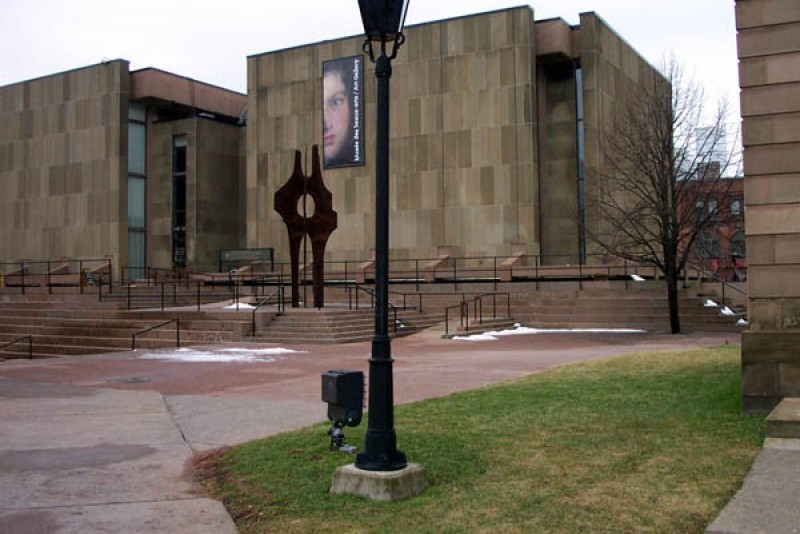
[[343, 112]]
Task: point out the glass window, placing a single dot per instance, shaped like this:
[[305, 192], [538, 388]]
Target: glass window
[[136, 253], [136, 148], [137, 112], [736, 207], [136, 202], [737, 245], [179, 148], [708, 245], [179, 145]]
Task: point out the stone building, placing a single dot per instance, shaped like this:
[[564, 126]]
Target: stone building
[[100, 161], [496, 126], [769, 76], [496, 122]]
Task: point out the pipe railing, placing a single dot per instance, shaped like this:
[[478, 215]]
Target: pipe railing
[[723, 283], [28, 338], [62, 272], [373, 297], [457, 269], [477, 302], [463, 309], [145, 331], [280, 295]]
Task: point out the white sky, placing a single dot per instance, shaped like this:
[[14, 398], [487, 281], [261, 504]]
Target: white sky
[[210, 40]]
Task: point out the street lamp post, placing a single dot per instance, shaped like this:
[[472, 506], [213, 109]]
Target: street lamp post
[[383, 25]]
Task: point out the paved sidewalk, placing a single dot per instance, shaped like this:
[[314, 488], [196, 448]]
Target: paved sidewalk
[[769, 499], [100, 443], [84, 460]]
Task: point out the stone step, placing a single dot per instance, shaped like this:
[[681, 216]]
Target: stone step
[[621, 315], [111, 326], [784, 420], [52, 351], [109, 343], [485, 326], [10, 322]]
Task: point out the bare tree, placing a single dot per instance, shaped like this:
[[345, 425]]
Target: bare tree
[[663, 181]]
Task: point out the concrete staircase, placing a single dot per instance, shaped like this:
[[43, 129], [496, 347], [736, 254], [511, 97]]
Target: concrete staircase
[[331, 325], [73, 324], [644, 310], [70, 324], [160, 296]]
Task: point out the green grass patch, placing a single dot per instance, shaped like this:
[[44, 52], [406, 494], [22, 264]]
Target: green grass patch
[[651, 442]]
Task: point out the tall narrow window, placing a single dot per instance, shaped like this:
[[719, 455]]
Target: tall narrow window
[[581, 170], [137, 157], [736, 207], [179, 201]]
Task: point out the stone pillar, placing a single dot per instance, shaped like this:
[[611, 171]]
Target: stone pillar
[[769, 53]]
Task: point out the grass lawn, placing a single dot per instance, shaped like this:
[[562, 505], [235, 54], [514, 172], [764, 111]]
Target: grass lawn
[[651, 442]]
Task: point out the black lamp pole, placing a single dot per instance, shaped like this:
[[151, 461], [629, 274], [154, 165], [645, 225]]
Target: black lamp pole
[[380, 446]]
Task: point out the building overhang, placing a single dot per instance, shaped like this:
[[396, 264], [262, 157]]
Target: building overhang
[[556, 41], [154, 86]]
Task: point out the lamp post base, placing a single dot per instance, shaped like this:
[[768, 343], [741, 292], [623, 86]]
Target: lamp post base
[[380, 485], [388, 458]]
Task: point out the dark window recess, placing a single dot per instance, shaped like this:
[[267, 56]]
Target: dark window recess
[[179, 201]]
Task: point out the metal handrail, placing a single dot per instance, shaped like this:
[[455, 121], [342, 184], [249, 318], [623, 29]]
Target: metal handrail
[[177, 332], [41, 272], [23, 338], [478, 305], [280, 293], [463, 307], [371, 293], [722, 283]]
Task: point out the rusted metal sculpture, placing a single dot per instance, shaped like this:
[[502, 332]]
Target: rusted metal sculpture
[[318, 227]]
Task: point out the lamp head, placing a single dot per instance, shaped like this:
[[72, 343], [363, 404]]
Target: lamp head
[[383, 23]]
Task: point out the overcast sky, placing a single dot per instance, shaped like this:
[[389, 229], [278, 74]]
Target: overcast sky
[[210, 40]]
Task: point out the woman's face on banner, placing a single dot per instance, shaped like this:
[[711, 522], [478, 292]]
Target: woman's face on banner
[[336, 115]]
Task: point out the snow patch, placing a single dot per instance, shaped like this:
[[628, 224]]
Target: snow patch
[[232, 355], [727, 311], [637, 278], [242, 306], [521, 330], [741, 322], [710, 304]]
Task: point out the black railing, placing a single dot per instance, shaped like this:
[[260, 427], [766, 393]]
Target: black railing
[[477, 303], [279, 293], [145, 331], [477, 313], [359, 288], [80, 273], [463, 314], [723, 283], [28, 338]]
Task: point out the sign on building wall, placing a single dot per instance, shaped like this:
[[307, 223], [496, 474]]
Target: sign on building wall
[[343, 112]]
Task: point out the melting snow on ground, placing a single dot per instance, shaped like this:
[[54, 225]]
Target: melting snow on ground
[[710, 304], [637, 278], [519, 330], [233, 355], [242, 306]]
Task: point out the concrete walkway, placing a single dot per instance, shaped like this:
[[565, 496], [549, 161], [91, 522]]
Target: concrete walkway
[[101, 443], [769, 499]]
